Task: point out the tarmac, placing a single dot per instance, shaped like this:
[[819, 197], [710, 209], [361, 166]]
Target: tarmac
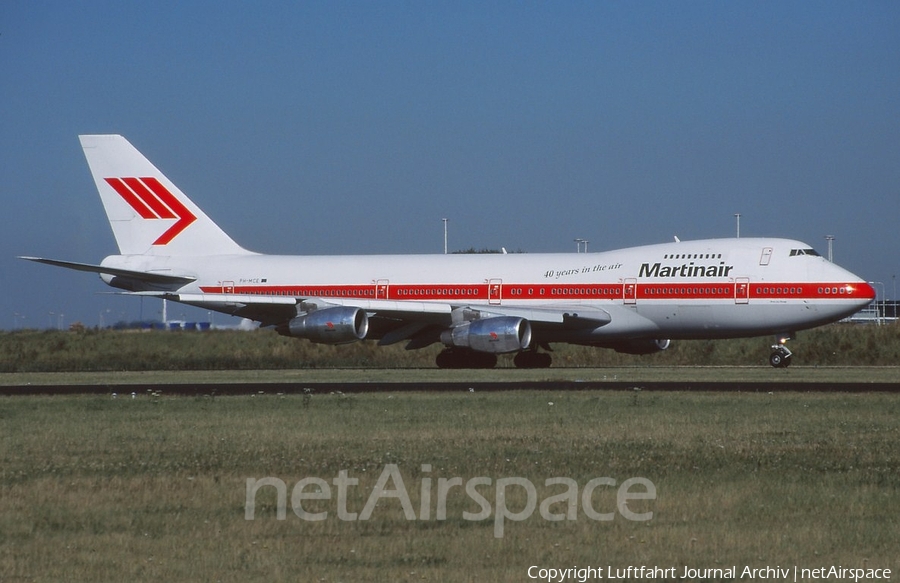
[[319, 388]]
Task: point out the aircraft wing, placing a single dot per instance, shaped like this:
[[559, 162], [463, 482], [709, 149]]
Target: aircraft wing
[[566, 316], [422, 322], [267, 310], [395, 321], [570, 316]]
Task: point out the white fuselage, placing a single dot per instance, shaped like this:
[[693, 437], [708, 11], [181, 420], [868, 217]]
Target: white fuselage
[[714, 288]]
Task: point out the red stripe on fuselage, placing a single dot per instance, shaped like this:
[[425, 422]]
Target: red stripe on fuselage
[[645, 292]]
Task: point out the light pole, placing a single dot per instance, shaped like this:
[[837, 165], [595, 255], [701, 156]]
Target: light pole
[[830, 239], [445, 235], [879, 314], [894, 295], [737, 217]]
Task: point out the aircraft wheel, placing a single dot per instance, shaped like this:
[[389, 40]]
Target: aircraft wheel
[[532, 359], [780, 358], [775, 359], [465, 359], [485, 360], [445, 359]]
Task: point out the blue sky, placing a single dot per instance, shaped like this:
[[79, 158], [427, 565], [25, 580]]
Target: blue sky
[[355, 127]]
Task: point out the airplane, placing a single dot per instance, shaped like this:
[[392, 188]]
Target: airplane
[[634, 300]]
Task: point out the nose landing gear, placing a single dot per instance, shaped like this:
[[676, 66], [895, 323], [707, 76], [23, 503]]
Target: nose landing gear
[[781, 356]]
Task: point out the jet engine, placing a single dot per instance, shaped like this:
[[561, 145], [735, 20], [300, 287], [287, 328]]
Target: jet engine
[[497, 335], [643, 346], [340, 325]]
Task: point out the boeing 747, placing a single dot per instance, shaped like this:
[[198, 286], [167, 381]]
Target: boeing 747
[[633, 300]]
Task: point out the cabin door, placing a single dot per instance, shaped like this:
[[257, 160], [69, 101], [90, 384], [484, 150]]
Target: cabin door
[[228, 289], [629, 291], [742, 290], [495, 291], [381, 289]]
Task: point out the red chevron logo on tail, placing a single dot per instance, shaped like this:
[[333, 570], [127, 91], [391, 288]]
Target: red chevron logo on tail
[[151, 200]]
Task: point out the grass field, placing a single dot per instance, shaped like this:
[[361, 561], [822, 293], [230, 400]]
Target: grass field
[[155, 488], [28, 351], [633, 374]]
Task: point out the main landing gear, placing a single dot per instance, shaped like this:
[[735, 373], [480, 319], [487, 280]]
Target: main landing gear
[[781, 356], [465, 358], [532, 359]]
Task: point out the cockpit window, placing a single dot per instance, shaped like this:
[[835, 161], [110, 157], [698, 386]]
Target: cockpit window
[[813, 252]]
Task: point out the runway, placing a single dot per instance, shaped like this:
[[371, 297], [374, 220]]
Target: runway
[[319, 388]]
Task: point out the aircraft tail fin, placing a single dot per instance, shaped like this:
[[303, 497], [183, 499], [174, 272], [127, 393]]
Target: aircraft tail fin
[[148, 214]]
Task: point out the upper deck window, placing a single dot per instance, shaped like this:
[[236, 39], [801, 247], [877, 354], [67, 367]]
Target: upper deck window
[[812, 252], [692, 256]]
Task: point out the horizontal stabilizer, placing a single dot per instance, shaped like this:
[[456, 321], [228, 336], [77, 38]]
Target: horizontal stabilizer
[[149, 277], [246, 299], [267, 310]]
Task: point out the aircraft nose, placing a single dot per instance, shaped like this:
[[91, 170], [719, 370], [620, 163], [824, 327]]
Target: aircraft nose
[[867, 291], [864, 292]]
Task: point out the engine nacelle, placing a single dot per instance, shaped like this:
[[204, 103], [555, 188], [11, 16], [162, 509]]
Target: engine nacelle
[[339, 325], [497, 335], [643, 346]]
